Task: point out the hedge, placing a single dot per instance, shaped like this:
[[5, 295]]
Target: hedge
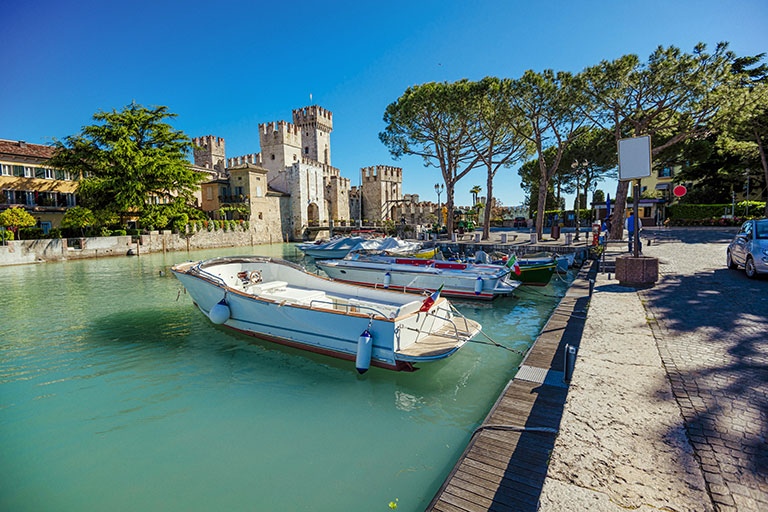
[[707, 211]]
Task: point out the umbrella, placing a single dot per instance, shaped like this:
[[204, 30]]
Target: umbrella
[[608, 206]]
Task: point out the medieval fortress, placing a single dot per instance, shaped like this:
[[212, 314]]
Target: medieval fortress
[[302, 189]]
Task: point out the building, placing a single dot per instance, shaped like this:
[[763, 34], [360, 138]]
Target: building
[[416, 212], [294, 163], [26, 180]]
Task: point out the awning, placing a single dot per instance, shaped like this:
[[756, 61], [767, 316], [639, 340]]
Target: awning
[[662, 186]]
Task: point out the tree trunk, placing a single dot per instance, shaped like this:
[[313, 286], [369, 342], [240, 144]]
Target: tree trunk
[[449, 208], [542, 206], [617, 218], [764, 161], [487, 212], [557, 205]]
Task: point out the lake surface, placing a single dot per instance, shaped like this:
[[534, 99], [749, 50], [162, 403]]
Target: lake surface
[[116, 393]]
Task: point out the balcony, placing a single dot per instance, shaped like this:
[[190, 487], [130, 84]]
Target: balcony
[[234, 199]]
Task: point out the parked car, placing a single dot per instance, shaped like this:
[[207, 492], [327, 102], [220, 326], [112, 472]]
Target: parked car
[[750, 248], [519, 222]]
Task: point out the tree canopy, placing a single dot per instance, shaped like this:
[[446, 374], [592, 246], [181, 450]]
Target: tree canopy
[[128, 157], [15, 218]]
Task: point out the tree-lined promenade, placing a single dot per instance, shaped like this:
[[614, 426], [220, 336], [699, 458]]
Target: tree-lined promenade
[[557, 125]]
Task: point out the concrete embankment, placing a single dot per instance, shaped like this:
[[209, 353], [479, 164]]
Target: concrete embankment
[[19, 252]]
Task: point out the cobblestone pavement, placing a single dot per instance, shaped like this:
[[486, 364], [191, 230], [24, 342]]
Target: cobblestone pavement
[[711, 328]]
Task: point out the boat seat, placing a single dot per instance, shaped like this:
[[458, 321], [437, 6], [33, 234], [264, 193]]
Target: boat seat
[[269, 286], [293, 295], [411, 307]]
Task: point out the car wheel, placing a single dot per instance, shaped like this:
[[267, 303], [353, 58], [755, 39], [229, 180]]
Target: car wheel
[[749, 268], [729, 261]]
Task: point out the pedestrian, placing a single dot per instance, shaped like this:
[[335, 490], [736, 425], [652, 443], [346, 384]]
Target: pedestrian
[[629, 225]]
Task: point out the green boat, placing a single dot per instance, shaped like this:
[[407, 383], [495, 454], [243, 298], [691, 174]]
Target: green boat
[[534, 272]]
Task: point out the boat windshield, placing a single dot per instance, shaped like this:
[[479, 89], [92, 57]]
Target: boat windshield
[[761, 228]]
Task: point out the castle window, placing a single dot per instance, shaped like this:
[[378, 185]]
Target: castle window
[[306, 150], [260, 216], [273, 156]]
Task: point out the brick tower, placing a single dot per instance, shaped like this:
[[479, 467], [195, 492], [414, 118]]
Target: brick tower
[[280, 145]]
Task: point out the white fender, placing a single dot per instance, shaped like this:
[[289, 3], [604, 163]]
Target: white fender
[[220, 312], [364, 351], [387, 279], [478, 285]]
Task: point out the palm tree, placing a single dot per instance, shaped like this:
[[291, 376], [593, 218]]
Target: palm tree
[[475, 191]]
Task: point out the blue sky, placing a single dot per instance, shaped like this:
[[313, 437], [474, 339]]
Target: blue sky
[[224, 67]]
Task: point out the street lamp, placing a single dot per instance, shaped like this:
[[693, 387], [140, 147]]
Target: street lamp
[[578, 167], [439, 187]]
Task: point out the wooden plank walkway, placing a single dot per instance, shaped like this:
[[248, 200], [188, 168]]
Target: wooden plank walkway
[[503, 468]]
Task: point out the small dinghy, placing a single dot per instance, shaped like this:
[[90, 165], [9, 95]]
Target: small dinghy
[[280, 301]]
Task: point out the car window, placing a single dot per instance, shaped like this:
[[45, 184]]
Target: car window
[[761, 228], [744, 227]]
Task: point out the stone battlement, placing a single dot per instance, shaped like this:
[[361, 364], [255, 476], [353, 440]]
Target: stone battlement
[[253, 158], [313, 114], [382, 173], [328, 170], [208, 141], [282, 127]]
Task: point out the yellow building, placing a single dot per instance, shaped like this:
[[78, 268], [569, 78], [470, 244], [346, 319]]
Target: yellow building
[[26, 180], [655, 194]]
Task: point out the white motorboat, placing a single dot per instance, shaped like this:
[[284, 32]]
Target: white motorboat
[[280, 301], [419, 275], [340, 247]]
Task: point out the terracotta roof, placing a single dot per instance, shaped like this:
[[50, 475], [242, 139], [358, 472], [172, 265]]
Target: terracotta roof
[[21, 148]]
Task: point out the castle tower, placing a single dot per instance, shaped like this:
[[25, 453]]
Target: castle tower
[[382, 191], [316, 125], [211, 153], [280, 148]]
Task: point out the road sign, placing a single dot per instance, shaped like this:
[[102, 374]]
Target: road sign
[[634, 158], [679, 191]]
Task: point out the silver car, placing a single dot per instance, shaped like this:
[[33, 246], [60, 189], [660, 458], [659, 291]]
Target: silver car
[[750, 248]]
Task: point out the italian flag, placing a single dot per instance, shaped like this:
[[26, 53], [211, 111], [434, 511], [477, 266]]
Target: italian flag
[[431, 299], [512, 263]]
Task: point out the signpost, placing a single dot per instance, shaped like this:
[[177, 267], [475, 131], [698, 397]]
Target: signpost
[[635, 163], [679, 191]]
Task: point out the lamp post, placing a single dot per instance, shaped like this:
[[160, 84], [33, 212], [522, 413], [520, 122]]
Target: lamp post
[[439, 187], [578, 167]]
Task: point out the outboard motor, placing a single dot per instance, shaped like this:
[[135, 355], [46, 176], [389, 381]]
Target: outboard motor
[[364, 351], [219, 313], [482, 257]]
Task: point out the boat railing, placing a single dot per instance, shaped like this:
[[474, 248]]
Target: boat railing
[[213, 277], [455, 328], [346, 306]]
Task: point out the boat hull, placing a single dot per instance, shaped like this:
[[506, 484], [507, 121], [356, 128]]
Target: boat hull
[[535, 275], [319, 315]]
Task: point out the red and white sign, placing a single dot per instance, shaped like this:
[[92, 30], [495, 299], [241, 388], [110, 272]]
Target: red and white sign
[[679, 191]]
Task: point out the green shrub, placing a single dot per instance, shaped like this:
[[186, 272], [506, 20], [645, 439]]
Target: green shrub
[[105, 232], [54, 233], [119, 232], [225, 225], [31, 233], [199, 225], [246, 225], [133, 232], [708, 211], [6, 235]]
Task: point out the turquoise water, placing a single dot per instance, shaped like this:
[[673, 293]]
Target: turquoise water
[[114, 395]]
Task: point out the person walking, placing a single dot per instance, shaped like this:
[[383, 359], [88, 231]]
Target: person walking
[[629, 225]]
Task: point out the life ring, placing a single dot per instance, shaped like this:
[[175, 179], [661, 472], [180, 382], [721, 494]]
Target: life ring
[[255, 276]]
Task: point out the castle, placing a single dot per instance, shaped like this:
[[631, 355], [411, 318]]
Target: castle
[[290, 184]]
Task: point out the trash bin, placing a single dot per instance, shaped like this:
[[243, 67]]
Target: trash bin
[[555, 231], [568, 238]]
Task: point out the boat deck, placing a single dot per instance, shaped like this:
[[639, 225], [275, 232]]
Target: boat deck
[[443, 340]]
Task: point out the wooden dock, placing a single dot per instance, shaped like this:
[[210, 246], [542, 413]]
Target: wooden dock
[[505, 463]]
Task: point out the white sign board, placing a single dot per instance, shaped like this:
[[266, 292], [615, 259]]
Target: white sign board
[[635, 158]]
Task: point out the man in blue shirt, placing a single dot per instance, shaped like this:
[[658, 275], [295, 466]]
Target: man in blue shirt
[[629, 225]]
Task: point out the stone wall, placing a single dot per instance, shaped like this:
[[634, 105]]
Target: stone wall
[[19, 252]]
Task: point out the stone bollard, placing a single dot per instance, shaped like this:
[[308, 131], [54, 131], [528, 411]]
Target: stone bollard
[[568, 238], [453, 237], [477, 237], [503, 238], [534, 238]]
